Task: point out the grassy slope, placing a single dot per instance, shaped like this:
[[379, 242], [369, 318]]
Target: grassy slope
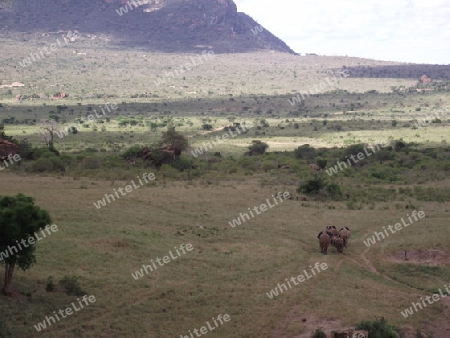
[[229, 271]]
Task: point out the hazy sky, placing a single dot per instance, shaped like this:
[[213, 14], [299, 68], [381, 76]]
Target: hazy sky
[[395, 30]]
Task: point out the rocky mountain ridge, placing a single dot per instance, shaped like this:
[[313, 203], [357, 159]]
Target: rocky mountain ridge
[[158, 25]]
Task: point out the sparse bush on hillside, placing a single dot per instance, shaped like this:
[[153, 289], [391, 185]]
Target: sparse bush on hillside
[[92, 163], [47, 164], [182, 164], [72, 286], [133, 152], [319, 334], [312, 186], [305, 152], [378, 328], [50, 287], [207, 126], [322, 163], [318, 186]]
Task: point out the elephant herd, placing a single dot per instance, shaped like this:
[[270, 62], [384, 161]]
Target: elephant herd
[[331, 235]]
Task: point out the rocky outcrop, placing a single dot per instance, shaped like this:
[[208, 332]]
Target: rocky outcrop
[[7, 148], [425, 79], [159, 25]]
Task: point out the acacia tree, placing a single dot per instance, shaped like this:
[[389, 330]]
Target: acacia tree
[[20, 219], [257, 148], [176, 140]]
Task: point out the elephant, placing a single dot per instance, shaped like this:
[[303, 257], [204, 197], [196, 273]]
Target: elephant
[[345, 233], [324, 241], [338, 243], [332, 229]]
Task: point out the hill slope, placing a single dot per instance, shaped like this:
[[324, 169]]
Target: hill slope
[[160, 25]]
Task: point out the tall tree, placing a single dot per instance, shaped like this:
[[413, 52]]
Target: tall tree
[[20, 219]]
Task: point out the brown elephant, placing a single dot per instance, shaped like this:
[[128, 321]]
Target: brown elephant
[[324, 241], [345, 233], [338, 243], [333, 230]]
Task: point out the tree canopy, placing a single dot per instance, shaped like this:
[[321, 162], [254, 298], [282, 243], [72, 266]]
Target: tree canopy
[[20, 219], [178, 141], [257, 148]]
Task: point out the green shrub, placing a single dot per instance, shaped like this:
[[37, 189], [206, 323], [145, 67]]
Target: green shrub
[[319, 334], [305, 152], [399, 145], [312, 186], [378, 328], [182, 164], [47, 154], [132, 152], [92, 163], [50, 285], [322, 163], [269, 164], [42, 165], [207, 126], [257, 148], [385, 173], [334, 190], [354, 149], [249, 163], [71, 286], [58, 165]]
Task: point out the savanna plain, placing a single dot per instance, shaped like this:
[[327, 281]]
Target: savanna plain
[[194, 198]]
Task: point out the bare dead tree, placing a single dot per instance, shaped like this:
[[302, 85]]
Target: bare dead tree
[[47, 132]]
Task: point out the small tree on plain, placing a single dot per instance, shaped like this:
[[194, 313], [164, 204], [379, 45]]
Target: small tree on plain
[[178, 141], [19, 220], [257, 148]]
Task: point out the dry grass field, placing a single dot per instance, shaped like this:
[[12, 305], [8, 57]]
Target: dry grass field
[[230, 269]]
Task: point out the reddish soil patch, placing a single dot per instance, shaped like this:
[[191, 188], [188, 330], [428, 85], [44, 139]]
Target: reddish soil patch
[[430, 257]]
